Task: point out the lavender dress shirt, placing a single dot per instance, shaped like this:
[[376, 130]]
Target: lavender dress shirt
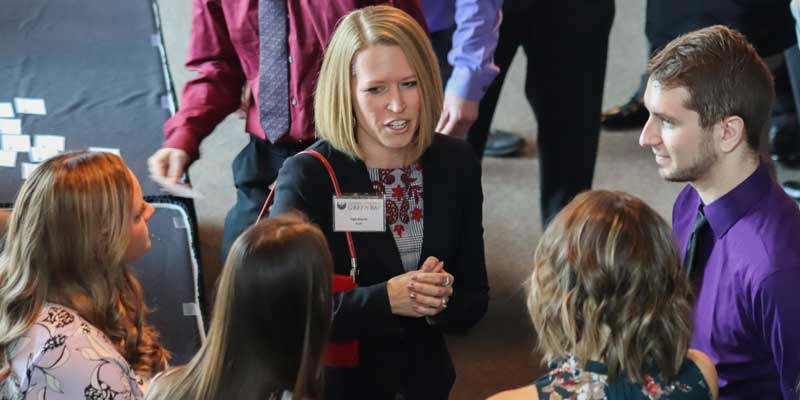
[[747, 315], [477, 25]]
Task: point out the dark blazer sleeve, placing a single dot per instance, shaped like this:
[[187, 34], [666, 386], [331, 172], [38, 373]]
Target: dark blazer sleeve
[[466, 263], [303, 185]]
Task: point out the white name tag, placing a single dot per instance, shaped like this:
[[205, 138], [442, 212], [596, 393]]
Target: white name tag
[[359, 213]]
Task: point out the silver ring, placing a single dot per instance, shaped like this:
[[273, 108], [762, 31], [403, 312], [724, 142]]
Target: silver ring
[[444, 302], [447, 280]]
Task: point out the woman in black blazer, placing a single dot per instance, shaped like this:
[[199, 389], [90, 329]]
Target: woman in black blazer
[[378, 98]]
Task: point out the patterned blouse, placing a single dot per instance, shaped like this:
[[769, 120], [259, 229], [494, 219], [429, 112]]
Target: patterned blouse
[[402, 189], [61, 356], [570, 379]]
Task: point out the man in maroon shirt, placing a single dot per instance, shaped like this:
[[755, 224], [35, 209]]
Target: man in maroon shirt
[[224, 51]]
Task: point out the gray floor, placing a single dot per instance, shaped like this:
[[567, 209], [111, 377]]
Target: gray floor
[[498, 353]]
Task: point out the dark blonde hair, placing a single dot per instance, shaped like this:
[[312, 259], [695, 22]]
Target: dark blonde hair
[[65, 244], [358, 30], [608, 286], [271, 319], [724, 75]]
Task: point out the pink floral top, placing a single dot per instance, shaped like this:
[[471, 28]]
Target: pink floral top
[[61, 356], [402, 189], [574, 380]]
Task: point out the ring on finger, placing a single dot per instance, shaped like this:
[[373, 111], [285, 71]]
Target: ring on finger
[[444, 302], [446, 280]]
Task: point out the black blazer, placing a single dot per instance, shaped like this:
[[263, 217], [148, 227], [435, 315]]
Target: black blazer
[[397, 354]]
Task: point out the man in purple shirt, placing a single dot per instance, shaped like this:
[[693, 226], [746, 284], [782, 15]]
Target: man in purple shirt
[[464, 35], [224, 51], [709, 96]]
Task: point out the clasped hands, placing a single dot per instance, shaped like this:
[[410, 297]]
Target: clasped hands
[[421, 293]]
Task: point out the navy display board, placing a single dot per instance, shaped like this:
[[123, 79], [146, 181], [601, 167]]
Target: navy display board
[[99, 67], [172, 284]]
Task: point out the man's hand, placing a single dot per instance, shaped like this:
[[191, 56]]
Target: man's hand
[[458, 114], [168, 163]]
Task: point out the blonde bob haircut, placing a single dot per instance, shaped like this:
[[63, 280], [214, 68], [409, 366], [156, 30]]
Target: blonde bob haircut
[[358, 30], [607, 286], [66, 243]]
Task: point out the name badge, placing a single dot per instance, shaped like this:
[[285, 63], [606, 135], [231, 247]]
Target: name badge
[[359, 213]]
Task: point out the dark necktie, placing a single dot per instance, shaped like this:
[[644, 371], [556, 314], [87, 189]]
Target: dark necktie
[[273, 71], [697, 250]]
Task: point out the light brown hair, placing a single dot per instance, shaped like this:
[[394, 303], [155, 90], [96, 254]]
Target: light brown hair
[[271, 319], [607, 286], [333, 100], [65, 244], [724, 76]]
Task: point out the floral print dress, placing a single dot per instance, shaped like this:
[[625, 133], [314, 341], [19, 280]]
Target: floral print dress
[[574, 380], [64, 357]]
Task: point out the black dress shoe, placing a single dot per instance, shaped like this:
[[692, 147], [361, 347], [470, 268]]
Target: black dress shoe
[[630, 115], [784, 140], [792, 188], [502, 143]]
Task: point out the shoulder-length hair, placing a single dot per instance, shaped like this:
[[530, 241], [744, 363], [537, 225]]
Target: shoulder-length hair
[[370, 26], [65, 244], [608, 286], [271, 318]]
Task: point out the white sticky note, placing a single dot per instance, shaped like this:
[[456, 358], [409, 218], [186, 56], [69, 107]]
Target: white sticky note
[[10, 126], [39, 154], [8, 158], [190, 309], [49, 142], [26, 105], [105, 150], [178, 222], [27, 169], [16, 142], [6, 111]]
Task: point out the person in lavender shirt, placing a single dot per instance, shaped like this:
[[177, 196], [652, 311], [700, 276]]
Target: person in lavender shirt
[[464, 35], [708, 97], [71, 308]]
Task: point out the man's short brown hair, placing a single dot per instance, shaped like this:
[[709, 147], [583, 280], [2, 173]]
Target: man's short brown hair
[[724, 75]]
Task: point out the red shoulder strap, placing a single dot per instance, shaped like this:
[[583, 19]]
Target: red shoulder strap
[[350, 245]]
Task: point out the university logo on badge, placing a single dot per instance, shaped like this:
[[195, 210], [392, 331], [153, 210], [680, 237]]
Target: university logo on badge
[[359, 213]]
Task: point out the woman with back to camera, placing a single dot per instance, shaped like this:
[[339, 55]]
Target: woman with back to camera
[[271, 317], [421, 266], [612, 307], [71, 308]]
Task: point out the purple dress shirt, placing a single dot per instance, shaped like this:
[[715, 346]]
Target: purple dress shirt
[[477, 25], [747, 318]]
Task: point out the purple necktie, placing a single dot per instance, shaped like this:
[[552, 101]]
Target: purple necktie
[[273, 70]]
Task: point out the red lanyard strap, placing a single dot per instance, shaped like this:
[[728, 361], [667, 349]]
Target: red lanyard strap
[[350, 246]]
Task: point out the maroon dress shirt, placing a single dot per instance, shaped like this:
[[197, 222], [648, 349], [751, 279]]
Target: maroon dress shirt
[[224, 53]]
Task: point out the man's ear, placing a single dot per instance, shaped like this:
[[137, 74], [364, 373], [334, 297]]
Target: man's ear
[[732, 133]]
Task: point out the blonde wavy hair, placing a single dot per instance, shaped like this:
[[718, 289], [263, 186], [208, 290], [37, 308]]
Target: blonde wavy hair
[[333, 100], [608, 286], [66, 244], [272, 315]]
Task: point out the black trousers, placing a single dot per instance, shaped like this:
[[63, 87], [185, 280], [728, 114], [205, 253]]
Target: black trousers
[[254, 169], [566, 43]]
